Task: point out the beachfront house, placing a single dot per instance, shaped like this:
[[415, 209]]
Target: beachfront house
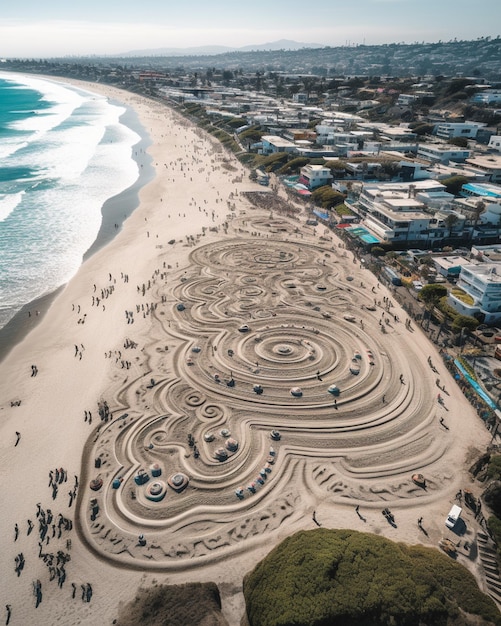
[[480, 294], [441, 153], [448, 130], [314, 176], [396, 213], [270, 144], [489, 164]]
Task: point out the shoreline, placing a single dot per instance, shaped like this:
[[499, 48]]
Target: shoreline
[[114, 212]]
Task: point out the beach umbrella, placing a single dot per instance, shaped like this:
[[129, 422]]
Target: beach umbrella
[[334, 390], [296, 392]]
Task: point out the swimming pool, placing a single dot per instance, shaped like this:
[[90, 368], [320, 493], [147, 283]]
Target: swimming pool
[[368, 238], [363, 234]]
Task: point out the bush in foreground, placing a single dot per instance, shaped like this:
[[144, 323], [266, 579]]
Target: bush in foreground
[[342, 577]]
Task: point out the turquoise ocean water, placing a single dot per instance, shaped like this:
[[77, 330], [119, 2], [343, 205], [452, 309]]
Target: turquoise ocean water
[[63, 153]]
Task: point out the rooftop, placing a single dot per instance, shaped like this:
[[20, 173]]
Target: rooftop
[[487, 271], [483, 189]]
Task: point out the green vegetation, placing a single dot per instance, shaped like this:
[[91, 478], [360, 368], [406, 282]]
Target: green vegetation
[[342, 209], [326, 197], [494, 468], [464, 321], [338, 168], [468, 367], [431, 294], [494, 524], [462, 295], [272, 162], [421, 128], [253, 134], [460, 142], [293, 166], [453, 184], [342, 577]]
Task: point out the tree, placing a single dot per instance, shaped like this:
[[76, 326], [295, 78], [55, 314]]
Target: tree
[[453, 184], [461, 142], [479, 209], [450, 221], [378, 251], [464, 321], [431, 294]]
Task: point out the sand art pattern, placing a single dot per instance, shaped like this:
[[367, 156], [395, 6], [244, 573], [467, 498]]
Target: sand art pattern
[[262, 332]]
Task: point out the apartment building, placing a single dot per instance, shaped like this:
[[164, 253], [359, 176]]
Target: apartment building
[[441, 153], [394, 212], [448, 130], [482, 283]]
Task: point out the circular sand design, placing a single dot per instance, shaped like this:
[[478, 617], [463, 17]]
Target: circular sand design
[[266, 315]]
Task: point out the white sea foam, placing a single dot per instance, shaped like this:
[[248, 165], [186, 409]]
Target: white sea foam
[[8, 203], [10, 146], [66, 174]]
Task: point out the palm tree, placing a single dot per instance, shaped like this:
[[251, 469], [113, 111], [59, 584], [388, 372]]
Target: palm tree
[[480, 207]]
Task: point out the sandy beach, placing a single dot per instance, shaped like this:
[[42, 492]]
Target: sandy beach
[[174, 350]]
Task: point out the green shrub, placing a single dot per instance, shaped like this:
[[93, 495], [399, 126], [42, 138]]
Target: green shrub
[[293, 166], [326, 197], [494, 467], [345, 578]]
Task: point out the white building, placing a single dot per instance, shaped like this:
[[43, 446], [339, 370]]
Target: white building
[[448, 130], [314, 176], [273, 143], [489, 164], [483, 284], [495, 143], [393, 212], [439, 153], [488, 96], [406, 99]]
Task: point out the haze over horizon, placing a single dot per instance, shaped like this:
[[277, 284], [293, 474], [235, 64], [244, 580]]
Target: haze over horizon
[[93, 27]]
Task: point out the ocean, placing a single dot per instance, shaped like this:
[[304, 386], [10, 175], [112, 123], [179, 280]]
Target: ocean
[[63, 153]]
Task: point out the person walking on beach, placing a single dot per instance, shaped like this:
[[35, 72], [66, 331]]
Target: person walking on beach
[[8, 608], [16, 532]]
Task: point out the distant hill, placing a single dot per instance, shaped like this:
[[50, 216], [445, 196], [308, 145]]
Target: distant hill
[[281, 44]]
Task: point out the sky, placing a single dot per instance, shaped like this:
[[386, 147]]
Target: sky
[[34, 29]]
